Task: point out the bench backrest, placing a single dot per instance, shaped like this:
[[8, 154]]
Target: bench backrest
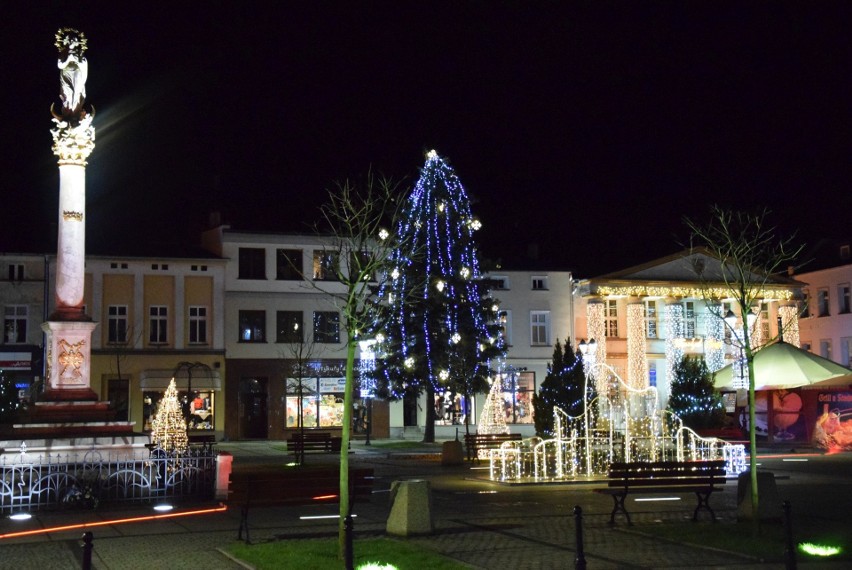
[[295, 486], [667, 474]]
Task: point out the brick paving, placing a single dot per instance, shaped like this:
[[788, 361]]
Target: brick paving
[[538, 540]]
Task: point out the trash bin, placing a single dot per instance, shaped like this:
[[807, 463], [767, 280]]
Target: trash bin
[[411, 508]]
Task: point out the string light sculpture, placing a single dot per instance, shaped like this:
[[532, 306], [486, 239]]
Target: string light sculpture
[[622, 424], [168, 428], [493, 418]]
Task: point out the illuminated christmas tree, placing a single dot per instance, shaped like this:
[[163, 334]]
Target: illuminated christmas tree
[[562, 388], [168, 428], [9, 403], [493, 418], [693, 398], [442, 333]]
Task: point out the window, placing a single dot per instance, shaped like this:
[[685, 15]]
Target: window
[[846, 351], [844, 298], [252, 326], [116, 324], [825, 349], [539, 328], [289, 326], [499, 283], [252, 263], [326, 327], [197, 324], [806, 304], [504, 319], [359, 261], [651, 319], [539, 283], [15, 324], [158, 324], [822, 303], [288, 264], [689, 319], [764, 322], [325, 265], [16, 272], [611, 318], [727, 307]]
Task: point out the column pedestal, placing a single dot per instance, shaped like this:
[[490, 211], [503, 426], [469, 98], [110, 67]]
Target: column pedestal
[[68, 361]]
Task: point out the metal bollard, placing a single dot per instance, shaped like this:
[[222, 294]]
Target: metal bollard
[[580, 558], [87, 550], [348, 551], [790, 546]]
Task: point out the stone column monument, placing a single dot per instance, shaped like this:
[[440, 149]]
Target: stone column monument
[[69, 329]]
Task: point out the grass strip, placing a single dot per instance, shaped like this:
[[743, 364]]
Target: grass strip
[[321, 554]]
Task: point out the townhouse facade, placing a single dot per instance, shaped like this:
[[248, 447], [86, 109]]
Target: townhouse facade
[[158, 317], [826, 324], [644, 319]]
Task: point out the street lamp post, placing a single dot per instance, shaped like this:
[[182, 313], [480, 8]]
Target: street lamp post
[[588, 350]]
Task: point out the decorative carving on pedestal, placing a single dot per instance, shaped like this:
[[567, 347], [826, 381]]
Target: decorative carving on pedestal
[[70, 357]]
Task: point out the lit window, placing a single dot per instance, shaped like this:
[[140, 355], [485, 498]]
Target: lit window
[[15, 324], [611, 318], [326, 264], [540, 328], [651, 319], [252, 326], [689, 319]]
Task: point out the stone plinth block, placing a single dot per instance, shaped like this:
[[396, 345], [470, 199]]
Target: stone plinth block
[[411, 508], [452, 453], [768, 501]]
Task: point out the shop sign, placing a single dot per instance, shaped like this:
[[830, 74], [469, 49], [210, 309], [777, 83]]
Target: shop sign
[[332, 385], [15, 360]]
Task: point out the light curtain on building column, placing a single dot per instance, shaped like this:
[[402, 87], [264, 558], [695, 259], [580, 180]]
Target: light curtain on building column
[[714, 349], [595, 325], [637, 358], [790, 324], [675, 329]]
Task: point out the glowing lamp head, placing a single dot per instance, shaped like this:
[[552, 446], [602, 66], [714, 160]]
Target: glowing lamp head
[[444, 374], [409, 362], [383, 234], [456, 338], [440, 285]]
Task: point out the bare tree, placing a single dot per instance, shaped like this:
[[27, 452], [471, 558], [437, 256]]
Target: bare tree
[[300, 350], [751, 255], [355, 224]]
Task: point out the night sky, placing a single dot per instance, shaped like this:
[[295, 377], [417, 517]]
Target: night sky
[[589, 130]]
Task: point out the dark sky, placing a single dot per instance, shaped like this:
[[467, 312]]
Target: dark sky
[[588, 129]]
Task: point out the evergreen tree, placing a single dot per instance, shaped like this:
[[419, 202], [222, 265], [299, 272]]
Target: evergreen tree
[[443, 331], [8, 399], [562, 388], [693, 398]]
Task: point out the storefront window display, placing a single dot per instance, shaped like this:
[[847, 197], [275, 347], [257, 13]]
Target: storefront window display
[[452, 409], [200, 408], [322, 402], [518, 389]]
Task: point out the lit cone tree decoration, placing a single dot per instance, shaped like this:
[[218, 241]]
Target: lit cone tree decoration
[[493, 418], [442, 333], [168, 428]]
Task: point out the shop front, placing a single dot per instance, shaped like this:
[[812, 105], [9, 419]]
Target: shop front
[[21, 364], [198, 393]]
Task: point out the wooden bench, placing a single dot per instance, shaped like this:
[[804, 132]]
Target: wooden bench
[[311, 441], [699, 477], [476, 441], [277, 486]]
